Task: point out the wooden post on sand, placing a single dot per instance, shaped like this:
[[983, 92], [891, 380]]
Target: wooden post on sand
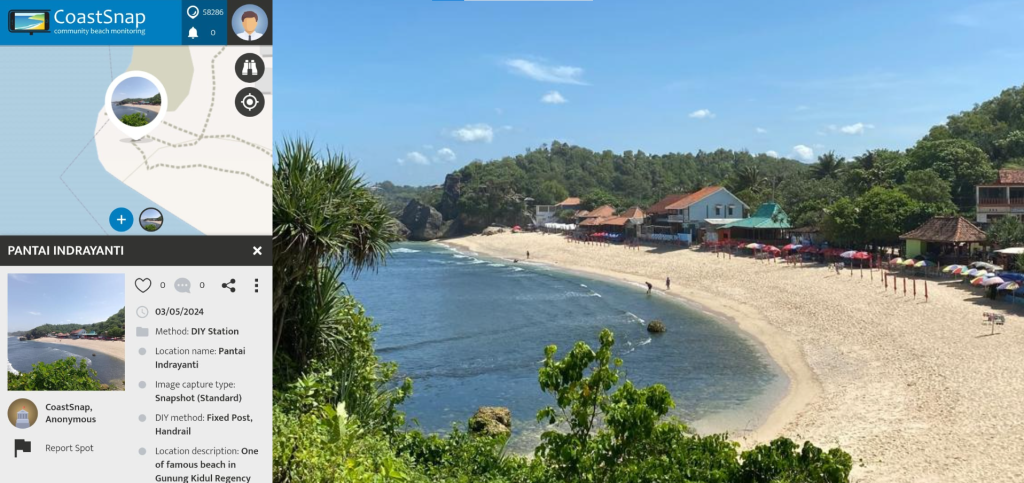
[[904, 286], [925, 290], [915, 288]]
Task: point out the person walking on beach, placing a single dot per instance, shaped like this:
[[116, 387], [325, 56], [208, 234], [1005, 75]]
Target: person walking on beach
[[668, 283], [649, 287], [527, 254]]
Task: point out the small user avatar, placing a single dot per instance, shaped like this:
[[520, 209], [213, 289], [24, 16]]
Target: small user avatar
[[136, 101], [22, 413], [151, 219], [250, 22]]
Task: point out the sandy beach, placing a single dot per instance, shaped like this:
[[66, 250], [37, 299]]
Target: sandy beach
[[148, 107], [108, 347], [914, 390]]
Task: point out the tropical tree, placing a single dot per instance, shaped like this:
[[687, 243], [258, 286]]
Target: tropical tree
[[328, 224], [926, 186], [883, 214], [550, 192], [956, 161], [829, 165], [1007, 231], [324, 216], [747, 177]]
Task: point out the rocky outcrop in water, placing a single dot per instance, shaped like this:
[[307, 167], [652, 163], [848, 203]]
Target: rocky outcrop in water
[[491, 421], [423, 222], [656, 327]]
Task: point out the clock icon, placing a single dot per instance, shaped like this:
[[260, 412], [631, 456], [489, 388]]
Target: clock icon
[[142, 312]]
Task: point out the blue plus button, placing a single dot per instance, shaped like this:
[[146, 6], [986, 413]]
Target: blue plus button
[[121, 219]]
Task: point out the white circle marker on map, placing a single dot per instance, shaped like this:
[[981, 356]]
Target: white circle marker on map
[[135, 103]]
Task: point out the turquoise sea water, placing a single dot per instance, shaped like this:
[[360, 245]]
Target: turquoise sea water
[[470, 331]]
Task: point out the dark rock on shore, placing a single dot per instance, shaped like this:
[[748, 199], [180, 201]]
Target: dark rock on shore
[[423, 222], [491, 421], [656, 327], [401, 231]]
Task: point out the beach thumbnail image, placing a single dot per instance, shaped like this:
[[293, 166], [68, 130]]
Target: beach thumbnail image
[[136, 101], [151, 219], [65, 332]]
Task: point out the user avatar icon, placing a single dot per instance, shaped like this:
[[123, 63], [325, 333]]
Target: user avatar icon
[[250, 22], [22, 413]]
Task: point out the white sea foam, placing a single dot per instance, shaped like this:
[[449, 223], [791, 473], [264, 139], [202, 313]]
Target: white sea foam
[[633, 317], [648, 341], [404, 250]]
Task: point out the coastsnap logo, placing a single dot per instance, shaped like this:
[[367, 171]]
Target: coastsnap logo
[[107, 16], [28, 21]]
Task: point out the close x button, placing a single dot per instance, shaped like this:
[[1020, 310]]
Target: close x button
[[257, 251]]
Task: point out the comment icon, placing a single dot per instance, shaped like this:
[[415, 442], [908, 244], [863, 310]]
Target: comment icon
[[183, 285]]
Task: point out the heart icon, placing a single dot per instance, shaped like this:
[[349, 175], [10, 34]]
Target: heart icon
[[143, 284]]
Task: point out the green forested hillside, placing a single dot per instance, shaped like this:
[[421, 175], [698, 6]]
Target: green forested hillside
[[870, 198], [113, 326]]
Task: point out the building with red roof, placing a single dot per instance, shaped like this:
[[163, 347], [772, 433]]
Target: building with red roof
[[1003, 197], [692, 214]]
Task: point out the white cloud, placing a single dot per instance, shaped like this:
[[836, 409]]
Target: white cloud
[[414, 157], [803, 152], [855, 128], [760, 130], [702, 114], [472, 133], [34, 313], [445, 154], [772, 153], [553, 97], [558, 74]]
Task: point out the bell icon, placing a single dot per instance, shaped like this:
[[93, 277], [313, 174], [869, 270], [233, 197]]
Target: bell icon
[[192, 34]]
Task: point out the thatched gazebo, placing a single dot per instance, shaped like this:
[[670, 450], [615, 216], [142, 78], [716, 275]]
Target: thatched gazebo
[[943, 238]]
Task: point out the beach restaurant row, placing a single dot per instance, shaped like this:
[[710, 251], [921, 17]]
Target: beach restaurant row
[[711, 214]]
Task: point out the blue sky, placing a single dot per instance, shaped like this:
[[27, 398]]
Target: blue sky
[[37, 299], [134, 87], [414, 89]]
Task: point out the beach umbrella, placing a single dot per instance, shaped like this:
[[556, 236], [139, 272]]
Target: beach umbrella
[[971, 273], [861, 256], [771, 248], [910, 263], [848, 254], [793, 246], [949, 268], [923, 264], [977, 281], [991, 280], [896, 260], [755, 246], [958, 269], [1008, 286]]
